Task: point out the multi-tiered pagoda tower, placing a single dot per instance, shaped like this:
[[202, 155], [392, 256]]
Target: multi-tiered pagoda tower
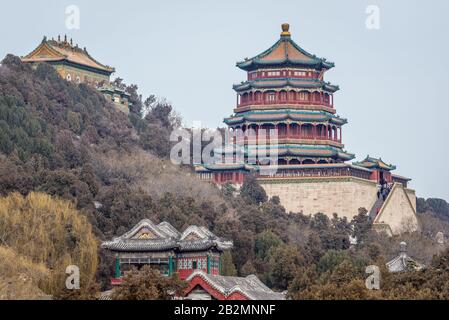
[[285, 93], [285, 90]]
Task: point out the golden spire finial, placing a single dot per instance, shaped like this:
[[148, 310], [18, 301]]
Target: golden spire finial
[[285, 28]]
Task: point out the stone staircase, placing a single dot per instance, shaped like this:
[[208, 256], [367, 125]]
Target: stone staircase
[[376, 207]]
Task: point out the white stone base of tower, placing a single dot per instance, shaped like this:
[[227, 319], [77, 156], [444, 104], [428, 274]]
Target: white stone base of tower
[[344, 196], [398, 213]]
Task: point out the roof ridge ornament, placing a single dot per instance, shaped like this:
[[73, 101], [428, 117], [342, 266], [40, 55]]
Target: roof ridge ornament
[[403, 247], [285, 30]]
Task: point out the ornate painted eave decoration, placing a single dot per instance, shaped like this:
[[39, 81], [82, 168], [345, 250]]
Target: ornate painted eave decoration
[[286, 82], [225, 167], [280, 115], [282, 149], [285, 52], [322, 166], [292, 106], [54, 51], [147, 236], [374, 163], [303, 150], [250, 287], [230, 149]]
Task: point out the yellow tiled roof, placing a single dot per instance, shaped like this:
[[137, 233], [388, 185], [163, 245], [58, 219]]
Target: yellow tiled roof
[[53, 50]]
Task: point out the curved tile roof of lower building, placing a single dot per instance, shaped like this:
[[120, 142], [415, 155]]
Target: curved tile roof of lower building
[[147, 236], [249, 286]]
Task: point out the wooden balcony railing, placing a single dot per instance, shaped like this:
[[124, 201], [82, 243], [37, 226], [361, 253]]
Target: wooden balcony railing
[[279, 101], [298, 137]]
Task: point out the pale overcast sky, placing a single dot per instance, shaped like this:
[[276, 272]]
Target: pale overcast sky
[[393, 80]]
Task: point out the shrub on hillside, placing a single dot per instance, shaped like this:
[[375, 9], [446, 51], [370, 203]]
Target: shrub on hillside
[[148, 284]]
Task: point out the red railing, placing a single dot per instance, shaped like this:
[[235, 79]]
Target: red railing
[[281, 136], [116, 281], [278, 101]]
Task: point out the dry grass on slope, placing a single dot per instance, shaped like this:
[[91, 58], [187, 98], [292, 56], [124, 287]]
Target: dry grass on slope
[[156, 176], [20, 278], [50, 232]]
